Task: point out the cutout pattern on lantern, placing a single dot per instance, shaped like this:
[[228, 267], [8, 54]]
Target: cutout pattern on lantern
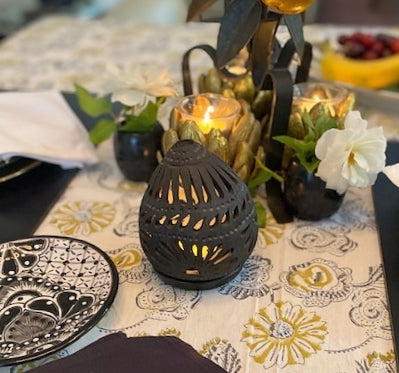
[[197, 219]]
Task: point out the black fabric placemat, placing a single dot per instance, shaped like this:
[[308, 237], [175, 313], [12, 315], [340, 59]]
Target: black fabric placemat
[[26, 199], [119, 354], [386, 203]]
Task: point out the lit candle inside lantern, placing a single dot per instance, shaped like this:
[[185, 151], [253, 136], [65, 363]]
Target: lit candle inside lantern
[[307, 95], [209, 111]]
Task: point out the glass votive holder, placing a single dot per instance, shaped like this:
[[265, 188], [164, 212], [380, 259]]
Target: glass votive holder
[[307, 95], [209, 110]]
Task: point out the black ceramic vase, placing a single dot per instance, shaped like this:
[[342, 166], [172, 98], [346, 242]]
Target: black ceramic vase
[[306, 195], [136, 153]]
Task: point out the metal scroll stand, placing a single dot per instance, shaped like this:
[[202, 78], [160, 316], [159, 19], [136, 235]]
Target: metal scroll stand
[[269, 63]]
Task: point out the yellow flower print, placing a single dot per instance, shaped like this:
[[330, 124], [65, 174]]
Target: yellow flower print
[[83, 217], [314, 277], [130, 186], [163, 333], [319, 282], [127, 259], [380, 362], [284, 334], [132, 266], [170, 332], [273, 231]]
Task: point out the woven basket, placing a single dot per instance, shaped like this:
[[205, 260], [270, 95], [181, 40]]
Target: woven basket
[[197, 220]]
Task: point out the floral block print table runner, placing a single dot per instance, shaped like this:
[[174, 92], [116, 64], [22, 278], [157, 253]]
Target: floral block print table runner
[[310, 298]]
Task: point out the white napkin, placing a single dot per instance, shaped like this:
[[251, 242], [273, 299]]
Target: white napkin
[[41, 125]]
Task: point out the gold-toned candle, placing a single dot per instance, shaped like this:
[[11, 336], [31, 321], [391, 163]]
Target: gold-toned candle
[[209, 111], [307, 95]]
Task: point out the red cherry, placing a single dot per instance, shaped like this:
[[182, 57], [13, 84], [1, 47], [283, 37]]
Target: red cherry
[[394, 46], [369, 55], [367, 40], [384, 38], [354, 49], [356, 36], [343, 39], [377, 47], [386, 52]]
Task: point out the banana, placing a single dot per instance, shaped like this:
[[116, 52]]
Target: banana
[[374, 74]]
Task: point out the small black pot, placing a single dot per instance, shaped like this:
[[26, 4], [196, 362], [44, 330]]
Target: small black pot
[[136, 153], [306, 195]]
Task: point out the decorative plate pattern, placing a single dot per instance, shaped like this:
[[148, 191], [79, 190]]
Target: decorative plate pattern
[[15, 167], [52, 290]]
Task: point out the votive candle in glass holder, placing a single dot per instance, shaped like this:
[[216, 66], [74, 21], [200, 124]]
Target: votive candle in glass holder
[[307, 95], [209, 110]]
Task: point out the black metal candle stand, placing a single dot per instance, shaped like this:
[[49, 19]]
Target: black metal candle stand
[[269, 62]]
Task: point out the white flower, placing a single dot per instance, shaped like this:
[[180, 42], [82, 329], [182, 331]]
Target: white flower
[[135, 86], [352, 156]]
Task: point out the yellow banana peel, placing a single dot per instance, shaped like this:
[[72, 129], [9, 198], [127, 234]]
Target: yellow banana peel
[[374, 74]]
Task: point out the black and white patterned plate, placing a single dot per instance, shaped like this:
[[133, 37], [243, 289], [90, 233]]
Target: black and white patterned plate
[[16, 166], [52, 290]]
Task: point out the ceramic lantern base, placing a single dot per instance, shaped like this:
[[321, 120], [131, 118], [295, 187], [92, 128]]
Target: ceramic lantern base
[[199, 285]]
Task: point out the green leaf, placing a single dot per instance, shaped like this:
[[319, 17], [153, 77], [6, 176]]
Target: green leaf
[[144, 121], [323, 124], [304, 151], [91, 105], [309, 126], [295, 144], [237, 27], [261, 214], [261, 177], [103, 130], [310, 163]]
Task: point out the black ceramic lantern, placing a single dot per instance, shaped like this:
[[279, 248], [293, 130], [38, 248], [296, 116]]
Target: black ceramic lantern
[[197, 219]]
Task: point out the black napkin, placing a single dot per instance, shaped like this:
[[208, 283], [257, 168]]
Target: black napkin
[[116, 353]]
